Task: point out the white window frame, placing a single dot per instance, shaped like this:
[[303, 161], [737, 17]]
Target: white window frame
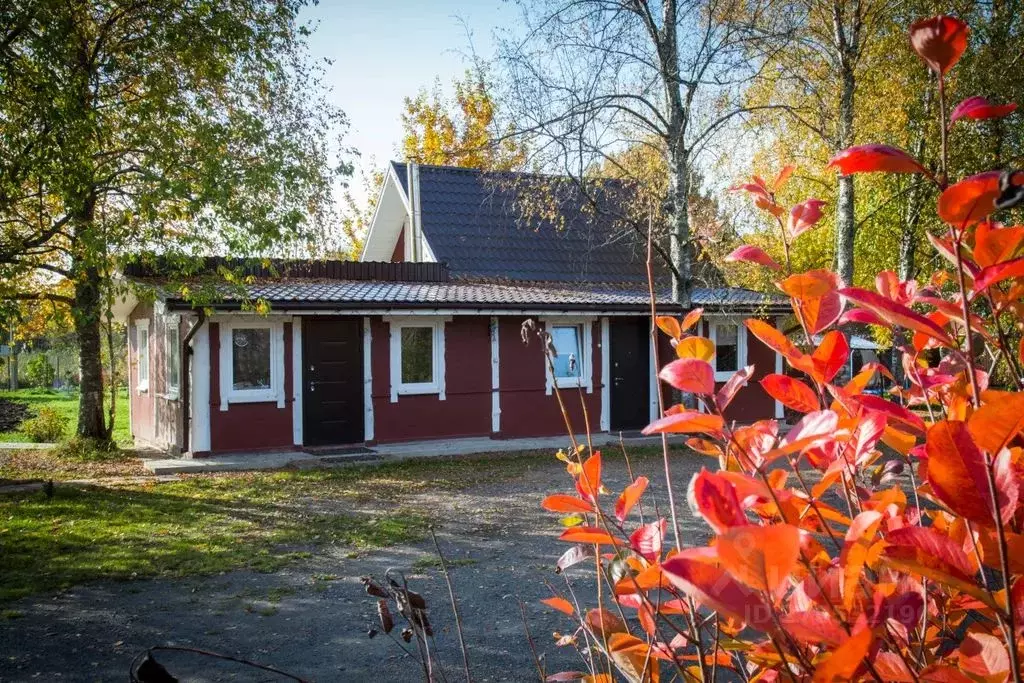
[[741, 345], [275, 392], [586, 361], [142, 384], [437, 385], [172, 386]]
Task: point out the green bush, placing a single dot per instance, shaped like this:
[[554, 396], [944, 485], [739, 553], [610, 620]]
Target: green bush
[[40, 372], [48, 426], [85, 449]]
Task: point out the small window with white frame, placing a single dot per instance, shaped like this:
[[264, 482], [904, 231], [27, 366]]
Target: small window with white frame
[[730, 349], [172, 356], [142, 345], [417, 357], [252, 362], [572, 363]]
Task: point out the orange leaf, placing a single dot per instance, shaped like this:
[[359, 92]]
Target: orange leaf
[[563, 503], [629, 498], [813, 626], [589, 482], [760, 556], [716, 589], [588, 534], [773, 338], [751, 254], [669, 326], [957, 472], [994, 245], [696, 347], [939, 41], [560, 604], [605, 622], [983, 654], [691, 318], [845, 659], [970, 200], [831, 356], [687, 422], [691, 375], [998, 420]]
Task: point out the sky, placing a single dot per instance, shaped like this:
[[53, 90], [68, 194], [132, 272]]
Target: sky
[[386, 50]]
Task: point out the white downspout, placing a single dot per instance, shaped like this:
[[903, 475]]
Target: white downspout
[[415, 217]]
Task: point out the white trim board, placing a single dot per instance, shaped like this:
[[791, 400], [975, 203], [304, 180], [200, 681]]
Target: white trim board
[[199, 424], [297, 382], [606, 380], [367, 381], [495, 378]]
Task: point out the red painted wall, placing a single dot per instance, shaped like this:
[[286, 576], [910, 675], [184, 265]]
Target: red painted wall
[[399, 254], [466, 410], [525, 408], [249, 426]]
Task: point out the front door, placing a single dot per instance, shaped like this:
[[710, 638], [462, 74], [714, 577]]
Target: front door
[[332, 381], [630, 369]]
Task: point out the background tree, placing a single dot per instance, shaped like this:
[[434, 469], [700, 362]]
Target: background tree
[[172, 126], [588, 78]]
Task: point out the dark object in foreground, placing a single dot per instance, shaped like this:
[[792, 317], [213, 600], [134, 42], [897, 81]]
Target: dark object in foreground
[[146, 669]]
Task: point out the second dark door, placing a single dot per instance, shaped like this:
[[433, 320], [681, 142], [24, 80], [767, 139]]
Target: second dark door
[[332, 381], [630, 373]]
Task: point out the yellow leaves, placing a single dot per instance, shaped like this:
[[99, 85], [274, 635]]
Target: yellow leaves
[[696, 347]]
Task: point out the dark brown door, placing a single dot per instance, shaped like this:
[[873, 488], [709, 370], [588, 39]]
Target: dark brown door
[[332, 381], [630, 369]]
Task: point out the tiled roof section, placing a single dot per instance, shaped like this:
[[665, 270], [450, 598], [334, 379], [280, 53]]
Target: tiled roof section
[[476, 223], [348, 295], [403, 176]]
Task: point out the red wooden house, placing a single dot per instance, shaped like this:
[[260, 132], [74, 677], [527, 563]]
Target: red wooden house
[[423, 338]]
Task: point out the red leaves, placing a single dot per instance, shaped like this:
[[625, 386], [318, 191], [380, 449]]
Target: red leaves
[[829, 358], [815, 298], [926, 551], [752, 254], [803, 217], [630, 496], [791, 393], [714, 498], [897, 314], [970, 200], [686, 422], [874, 158], [984, 655], [997, 273], [691, 375], [978, 108], [712, 586], [958, 474], [762, 557], [564, 503], [939, 41]]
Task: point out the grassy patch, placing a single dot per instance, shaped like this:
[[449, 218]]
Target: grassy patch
[[67, 404]]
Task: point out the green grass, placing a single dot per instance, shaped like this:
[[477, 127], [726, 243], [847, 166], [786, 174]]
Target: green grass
[[67, 405]]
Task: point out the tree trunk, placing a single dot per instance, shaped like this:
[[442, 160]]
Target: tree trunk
[[846, 224], [679, 222], [87, 327]]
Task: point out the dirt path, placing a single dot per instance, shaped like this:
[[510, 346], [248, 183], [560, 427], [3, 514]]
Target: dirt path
[[312, 617]]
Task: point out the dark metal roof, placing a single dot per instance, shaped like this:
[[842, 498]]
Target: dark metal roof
[[476, 222], [356, 295], [153, 266]]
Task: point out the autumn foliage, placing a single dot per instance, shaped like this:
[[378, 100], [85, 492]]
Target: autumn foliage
[[877, 538]]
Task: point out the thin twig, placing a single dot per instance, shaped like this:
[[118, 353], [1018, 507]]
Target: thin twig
[[455, 607]]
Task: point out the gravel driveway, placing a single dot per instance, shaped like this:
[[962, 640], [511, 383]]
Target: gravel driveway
[[312, 618]]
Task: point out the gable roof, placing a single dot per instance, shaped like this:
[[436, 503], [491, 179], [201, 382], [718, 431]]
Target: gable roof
[[477, 223]]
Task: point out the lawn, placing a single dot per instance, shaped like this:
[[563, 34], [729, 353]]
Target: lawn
[[67, 405], [206, 524]]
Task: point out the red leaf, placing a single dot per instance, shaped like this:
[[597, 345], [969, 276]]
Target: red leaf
[[873, 158], [564, 503], [943, 550], [845, 659], [752, 254], [997, 273], [803, 217], [816, 298], [560, 604], [859, 316], [691, 375], [714, 498], [629, 498], [831, 355], [687, 422], [762, 557], [939, 41], [979, 108], [647, 540], [605, 622], [588, 534], [791, 393], [983, 654], [897, 314], [813, 626], [892, 411], [958, 474], [970, 200], [728, 391], [712, 586]]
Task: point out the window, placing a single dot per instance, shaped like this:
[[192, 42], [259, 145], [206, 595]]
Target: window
[[417, 357], [142, 333], [572, 362], [252, 362], [172, 355], [730, 349]]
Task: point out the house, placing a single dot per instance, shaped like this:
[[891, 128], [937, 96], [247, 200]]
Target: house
[[423, 337]]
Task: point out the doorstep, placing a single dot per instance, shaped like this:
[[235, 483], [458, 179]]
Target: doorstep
[[442, 448]]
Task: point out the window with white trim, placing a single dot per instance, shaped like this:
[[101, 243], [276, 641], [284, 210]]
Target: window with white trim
[[252, 362], [417, 357], [172, 356], [730, 349], [142, 344], [571, 341]]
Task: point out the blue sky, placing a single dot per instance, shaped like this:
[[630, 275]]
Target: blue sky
[[385, 50]]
